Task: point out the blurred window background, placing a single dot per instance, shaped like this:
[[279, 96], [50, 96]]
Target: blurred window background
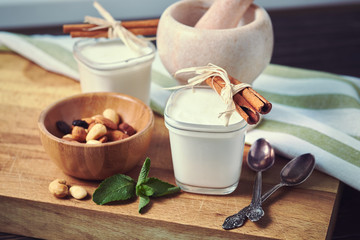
[[45, 13]]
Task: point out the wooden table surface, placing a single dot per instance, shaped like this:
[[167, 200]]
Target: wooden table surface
[[27, 208], [319, 39]]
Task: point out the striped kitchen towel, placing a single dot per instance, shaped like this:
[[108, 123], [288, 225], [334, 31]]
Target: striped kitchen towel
[[313, 111]]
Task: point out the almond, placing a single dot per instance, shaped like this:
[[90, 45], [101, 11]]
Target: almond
[[69, 137], [78, 192], [107, 122], [112, 115], [96, 132], [103, 139], [127, 129], [114, 135]]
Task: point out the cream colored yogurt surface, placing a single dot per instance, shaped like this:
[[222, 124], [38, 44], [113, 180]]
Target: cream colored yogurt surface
[[200, 106], [108, 52]]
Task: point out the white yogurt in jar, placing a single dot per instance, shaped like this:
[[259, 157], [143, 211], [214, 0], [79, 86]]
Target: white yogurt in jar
[[206, 155], [107, 53], [110, 66]]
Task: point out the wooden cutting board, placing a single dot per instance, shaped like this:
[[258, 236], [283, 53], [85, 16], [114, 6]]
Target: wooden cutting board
[[27, 208]]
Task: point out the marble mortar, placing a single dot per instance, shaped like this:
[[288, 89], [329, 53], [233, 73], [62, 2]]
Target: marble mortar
[[243, 52]]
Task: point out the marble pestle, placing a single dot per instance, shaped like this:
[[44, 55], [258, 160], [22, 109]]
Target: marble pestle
[[223, 14]]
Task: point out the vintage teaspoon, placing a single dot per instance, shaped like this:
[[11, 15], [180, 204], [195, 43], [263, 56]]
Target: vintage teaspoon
[[293, 173], [261, 157]]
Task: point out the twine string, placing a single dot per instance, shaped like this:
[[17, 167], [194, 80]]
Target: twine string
[[227, 92], [115, 29]]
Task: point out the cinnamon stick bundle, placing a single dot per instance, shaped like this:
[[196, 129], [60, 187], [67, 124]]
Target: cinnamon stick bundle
[[248, 102], [261, 105], [138, 27], [104, 33]]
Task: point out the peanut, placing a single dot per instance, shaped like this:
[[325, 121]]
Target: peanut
[[79, 134], [112, 115], [69, 137], [77, 192], [59, 188], [96, 132], [110, 121]]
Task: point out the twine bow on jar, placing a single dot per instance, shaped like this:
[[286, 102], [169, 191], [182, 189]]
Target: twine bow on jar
[[227, 92], [115, 29]]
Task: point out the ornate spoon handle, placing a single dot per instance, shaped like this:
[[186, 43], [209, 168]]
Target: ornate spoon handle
[[255, 211], [236, 220]]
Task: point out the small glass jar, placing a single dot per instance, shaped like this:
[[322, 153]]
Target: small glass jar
[[207, 156], [109, 66]]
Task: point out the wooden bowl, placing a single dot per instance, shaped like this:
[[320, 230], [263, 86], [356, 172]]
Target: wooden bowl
[[99, 161]]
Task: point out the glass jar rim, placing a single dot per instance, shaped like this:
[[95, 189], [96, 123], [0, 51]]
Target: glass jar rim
[[79, 45], [171, 122]]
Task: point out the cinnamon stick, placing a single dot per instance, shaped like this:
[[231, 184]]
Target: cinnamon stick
[[140, 23], [261, 105], [89, 34], [138, 27], [243, 107], [67, 28], [104, 33]]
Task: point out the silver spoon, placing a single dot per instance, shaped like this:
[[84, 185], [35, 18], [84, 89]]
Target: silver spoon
[[261, 157], [293, 173]]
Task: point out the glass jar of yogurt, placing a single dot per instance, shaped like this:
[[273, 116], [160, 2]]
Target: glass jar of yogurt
[[207, 156], [110, 66]]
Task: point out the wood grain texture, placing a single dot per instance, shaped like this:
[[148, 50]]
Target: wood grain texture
[[27, 208]]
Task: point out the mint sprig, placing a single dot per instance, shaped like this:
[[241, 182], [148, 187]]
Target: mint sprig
[[122, 187], [115, 188]]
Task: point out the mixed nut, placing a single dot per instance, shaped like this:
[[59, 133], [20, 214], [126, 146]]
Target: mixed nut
[[60, 189], [106, 127]]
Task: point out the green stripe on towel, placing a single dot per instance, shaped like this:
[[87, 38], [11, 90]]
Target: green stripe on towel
[[316, 101], [4, 48], [314, 137], [54, 50], [293, 72]]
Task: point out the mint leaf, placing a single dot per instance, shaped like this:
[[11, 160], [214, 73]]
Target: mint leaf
[[158, 188], [144, 200], [115, 188], [144, 172], [123, 187], [144, 190]]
